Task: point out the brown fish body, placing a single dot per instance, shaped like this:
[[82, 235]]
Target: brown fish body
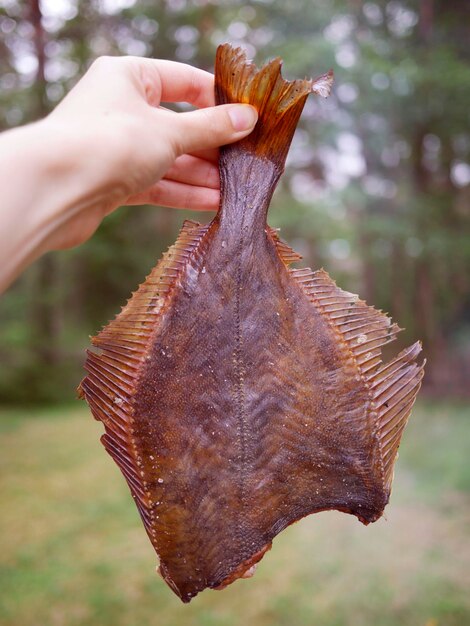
[[239, 395]]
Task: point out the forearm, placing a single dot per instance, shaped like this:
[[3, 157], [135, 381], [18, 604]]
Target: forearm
[[32, 196], [48, 175]]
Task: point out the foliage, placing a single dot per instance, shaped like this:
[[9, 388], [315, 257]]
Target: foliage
[[377, 185]]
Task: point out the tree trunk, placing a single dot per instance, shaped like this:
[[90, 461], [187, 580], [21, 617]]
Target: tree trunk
[[45, 310]]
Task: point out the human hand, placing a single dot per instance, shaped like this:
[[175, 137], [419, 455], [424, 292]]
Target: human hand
[[108, 143], [126, 149]]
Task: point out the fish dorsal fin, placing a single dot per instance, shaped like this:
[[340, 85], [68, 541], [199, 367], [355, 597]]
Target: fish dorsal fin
[[287, 254], [114, 370], [129, 331], [279, 102], [363, 330]]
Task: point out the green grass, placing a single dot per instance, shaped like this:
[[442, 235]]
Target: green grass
[[73, 550]]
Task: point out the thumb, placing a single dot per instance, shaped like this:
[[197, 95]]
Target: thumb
[[211, 127]]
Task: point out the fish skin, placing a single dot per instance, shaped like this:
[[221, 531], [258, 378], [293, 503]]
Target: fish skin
[[239, 395]]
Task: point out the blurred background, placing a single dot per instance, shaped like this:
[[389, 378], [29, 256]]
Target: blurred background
[[376, 191]]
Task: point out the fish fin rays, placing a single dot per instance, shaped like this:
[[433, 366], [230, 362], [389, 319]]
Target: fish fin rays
[[108, 390], [286, 253], [128, 334], [279, 102], [114, 368], [393, 386]]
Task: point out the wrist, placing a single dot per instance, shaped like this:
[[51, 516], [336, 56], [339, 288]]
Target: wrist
[[84, 172], [64, 167], [60, 191]]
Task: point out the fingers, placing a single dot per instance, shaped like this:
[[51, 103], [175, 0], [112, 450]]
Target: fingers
[[178, 195], [194, 171], [191, 183], [155, 79], [210, 127], [169, 81], [184, 83], [211, 155]]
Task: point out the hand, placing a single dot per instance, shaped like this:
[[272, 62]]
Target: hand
[[140, 152], [108, 143]]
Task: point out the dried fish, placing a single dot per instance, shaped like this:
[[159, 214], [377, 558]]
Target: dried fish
[[237, 394]]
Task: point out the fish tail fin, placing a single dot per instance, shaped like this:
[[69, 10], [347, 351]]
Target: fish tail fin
[[279, 102]]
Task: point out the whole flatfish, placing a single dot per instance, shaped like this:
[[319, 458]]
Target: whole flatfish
[[237, 394]]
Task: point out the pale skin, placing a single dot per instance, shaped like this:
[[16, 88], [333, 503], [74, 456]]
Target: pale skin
[[110, 143]]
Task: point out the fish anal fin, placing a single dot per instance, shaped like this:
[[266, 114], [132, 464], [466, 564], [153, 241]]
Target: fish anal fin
[[392, 387]]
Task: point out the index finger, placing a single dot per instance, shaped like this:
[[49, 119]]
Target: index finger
[[169, 81], [211, 155]]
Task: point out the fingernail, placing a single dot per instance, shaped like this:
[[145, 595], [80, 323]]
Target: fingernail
[[243, 116]]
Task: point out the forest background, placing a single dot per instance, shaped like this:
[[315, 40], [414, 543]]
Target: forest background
[[376, 190]]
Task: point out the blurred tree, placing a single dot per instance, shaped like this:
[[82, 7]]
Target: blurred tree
[[376, 190]]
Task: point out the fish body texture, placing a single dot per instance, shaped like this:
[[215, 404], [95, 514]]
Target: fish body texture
[[239, 395]]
